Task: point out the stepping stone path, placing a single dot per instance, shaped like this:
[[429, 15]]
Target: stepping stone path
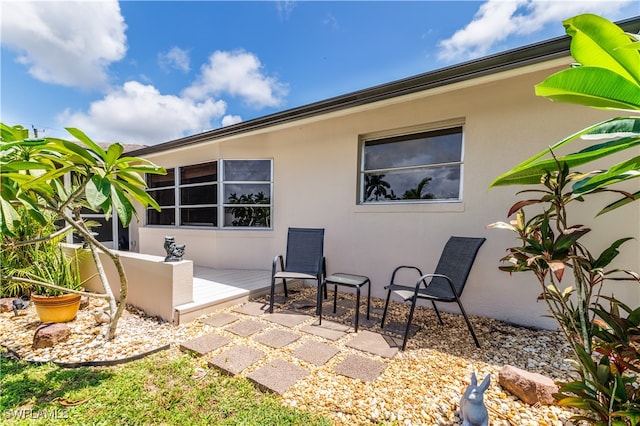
[[204, 344], [246, 328], [288, 327], [359, 367], [220, 320], [316, 353], [236, 359], [277, 338], [252, 308], [377, 344], [329, 330], [288, 318], [277, 376]]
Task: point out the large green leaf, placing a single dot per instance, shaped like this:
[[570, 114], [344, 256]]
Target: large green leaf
[[591, 86], [97, 191], [82, 137], [595, 41], [623, 171]]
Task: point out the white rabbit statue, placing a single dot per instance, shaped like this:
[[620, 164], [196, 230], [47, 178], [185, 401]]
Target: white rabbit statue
[[474, 413]]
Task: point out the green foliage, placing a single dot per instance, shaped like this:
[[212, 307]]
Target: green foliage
[[606, 345], [247, 214], [161, 389]]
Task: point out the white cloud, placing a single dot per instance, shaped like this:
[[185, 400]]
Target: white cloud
[[70, 43], [228, 120], [498, 19], [240, 74], [140, 114], [285, 8], [175, 58]]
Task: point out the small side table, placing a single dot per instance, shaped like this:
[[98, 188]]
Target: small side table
[[353, 281]]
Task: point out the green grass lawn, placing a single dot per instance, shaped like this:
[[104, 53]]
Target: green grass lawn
[[167, 388]]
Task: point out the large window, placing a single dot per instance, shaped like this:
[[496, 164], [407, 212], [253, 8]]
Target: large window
[[189, 195], [419, 167]]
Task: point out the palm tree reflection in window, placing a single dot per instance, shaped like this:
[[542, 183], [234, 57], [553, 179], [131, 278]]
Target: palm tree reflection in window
[[248, 215], [375, 188], [416, 193]]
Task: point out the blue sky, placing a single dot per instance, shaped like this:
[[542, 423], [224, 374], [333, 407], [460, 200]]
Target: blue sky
[[148, 72]]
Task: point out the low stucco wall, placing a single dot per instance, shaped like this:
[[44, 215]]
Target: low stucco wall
[[155, 286]]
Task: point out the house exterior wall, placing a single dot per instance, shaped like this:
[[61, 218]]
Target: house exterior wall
[[316, 165]]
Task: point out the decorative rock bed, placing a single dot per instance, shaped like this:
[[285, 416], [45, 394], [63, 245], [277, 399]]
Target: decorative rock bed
[[421, 386]]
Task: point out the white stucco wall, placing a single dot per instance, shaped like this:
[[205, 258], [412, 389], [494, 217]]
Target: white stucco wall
[[315, 185]]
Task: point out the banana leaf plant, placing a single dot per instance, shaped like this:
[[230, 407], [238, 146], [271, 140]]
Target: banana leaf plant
[[32, 175], [606, 76]]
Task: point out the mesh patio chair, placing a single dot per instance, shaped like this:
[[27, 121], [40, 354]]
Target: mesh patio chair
[[304, 261], [444, 285]]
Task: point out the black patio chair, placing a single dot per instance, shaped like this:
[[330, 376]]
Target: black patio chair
[[445, 284], [304, 260]]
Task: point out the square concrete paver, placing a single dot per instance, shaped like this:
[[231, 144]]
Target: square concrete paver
[[288, 318], [316, 353], [304, 304], [277, 338], [277, 376], [236, 359], [329, 330], [246, 328], [360, 367], [375, 343], [204, 344], [220, 320], [253, 308]]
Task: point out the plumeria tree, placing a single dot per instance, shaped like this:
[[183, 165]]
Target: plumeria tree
[[32, 173]]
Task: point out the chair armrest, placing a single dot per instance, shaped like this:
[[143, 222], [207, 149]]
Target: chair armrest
[[423, 279], [274, 267], [399, 268]]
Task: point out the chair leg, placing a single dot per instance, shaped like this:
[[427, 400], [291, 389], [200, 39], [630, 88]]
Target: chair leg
[[469, 326], [435, 308], [319, 298], [357, 307], [284, 284], [324, 284], [386, 305], [368, 298], [406, 332], [335, 297], [272, 294]]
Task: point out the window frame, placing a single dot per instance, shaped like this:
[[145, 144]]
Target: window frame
[[403, 135], [221, 205]]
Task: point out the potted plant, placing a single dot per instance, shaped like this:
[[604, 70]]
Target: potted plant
[[36, 258]]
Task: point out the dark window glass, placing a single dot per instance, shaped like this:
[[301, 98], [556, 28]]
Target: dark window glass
[[247, 170], [424, 166], [257, 217], [200, 216], [159, 181], [439, 183], [237, 193], [194, 195], [164, 197], [103, 228], [164, 217], [199, 173]]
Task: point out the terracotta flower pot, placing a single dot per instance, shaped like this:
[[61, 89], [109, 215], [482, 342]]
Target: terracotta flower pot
[[56, 308]]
